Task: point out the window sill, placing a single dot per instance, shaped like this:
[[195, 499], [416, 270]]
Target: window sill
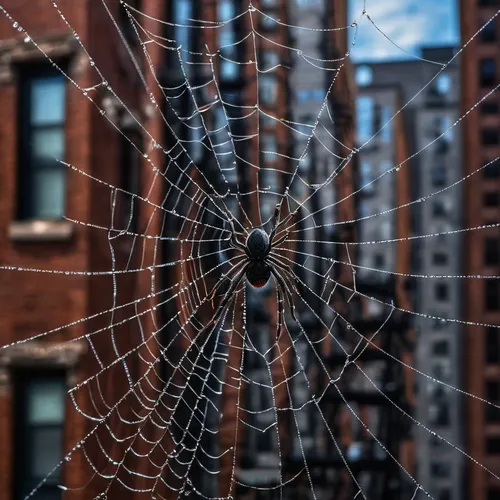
[[40, 230]]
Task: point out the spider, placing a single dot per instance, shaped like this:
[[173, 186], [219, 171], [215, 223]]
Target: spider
[[259, 264]]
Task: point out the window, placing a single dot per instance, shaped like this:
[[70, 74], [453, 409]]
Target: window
[[183, 11], [267, 21], [365, 117], [491, 251], [491, 171], [489, 107], [493, 396], [269, 59], [443, 84], [441, 291], [439, 208], [444, 495], [378, 261], [492, 293], [367, 177], [385, 115], [39, 421], [492, 353], [440, 348], [364, 76], [440, 258], [487, 72], [438, 176], [439, 413], [489, 136], [491, 199], [493, 446], [441, 469], [269, 147], [229, 69], [268, 91], [42, 178], [488, 33]]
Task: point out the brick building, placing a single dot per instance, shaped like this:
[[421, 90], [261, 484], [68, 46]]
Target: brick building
[[481, 140], [45, 211]]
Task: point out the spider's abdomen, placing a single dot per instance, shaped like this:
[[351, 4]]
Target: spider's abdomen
[[258, 273], [258, 244]]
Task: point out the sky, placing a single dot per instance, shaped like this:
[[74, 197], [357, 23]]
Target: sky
[[409, 23]]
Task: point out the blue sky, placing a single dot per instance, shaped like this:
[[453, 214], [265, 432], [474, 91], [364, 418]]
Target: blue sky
[[409, 23]]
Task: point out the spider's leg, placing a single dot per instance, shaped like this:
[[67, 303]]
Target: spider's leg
[[290, 216], [281, 313], [286, 269], [280, 240], [227, 297], [220, 282], [281, 281]]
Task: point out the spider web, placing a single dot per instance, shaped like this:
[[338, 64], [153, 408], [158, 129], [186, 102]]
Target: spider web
[[250, 404]]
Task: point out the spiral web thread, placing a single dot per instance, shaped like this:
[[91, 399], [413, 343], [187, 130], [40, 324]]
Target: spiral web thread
[[157, 427]]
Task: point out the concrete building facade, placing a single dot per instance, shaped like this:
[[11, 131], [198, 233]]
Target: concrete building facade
[[431, 105]]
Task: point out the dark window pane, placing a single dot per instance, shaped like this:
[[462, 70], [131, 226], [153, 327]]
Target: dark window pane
[[489, 136], [491, 171], [491, 251], [438, 208], [489, 107], [441, 291], [441, 469], [493, 396], [440, 348], [40, 405], [46, 446], [493, 446], [438, 174], [488, 33], [440, 259], [492, 345], [487, 72], [493, 492], [492, 293], [444, 495], [491, 199]]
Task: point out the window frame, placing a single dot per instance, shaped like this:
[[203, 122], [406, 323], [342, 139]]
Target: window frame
[[28, 165], [23, 482]]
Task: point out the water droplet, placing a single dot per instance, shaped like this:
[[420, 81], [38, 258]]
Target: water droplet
[[67, 459], [354, 24], [102, 112], [27, 39], [92, 63], [15, 25]]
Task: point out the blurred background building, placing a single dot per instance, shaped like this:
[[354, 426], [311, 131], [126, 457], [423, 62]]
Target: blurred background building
[[429, 111], [65, 222]]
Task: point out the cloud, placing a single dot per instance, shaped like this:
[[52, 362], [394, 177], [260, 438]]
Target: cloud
[[409, 24]]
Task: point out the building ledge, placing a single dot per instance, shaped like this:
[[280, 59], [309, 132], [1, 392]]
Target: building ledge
[[41, 230]]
